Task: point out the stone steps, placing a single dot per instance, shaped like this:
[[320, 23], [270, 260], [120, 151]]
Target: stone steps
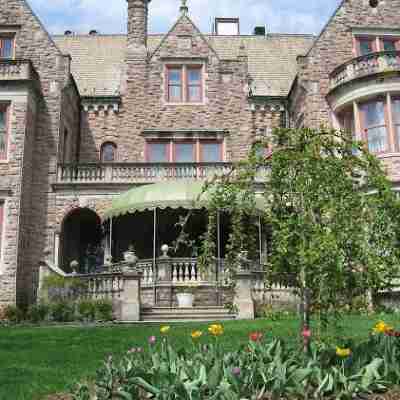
[[167, 314]]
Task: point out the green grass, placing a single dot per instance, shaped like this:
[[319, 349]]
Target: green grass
[[36, 361]]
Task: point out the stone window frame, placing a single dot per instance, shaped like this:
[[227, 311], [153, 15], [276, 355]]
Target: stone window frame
[[393, 141], [103, 145], [5, 106], [184, 64]]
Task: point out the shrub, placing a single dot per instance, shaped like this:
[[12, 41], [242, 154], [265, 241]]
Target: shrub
[[63, 311], [14, 314], [38, 312], [87, 310], [104, 310]]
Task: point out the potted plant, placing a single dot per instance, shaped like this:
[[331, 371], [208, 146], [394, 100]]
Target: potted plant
[[185, 296], [130, 255]]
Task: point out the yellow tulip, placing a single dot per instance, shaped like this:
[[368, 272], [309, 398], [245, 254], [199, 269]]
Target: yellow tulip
[[164, 329], [382, 327], [216, 329], [196, 334], [343, 352]]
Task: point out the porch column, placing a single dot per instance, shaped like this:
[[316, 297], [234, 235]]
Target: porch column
[[130, 297]]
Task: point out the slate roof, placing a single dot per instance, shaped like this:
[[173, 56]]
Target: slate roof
[[97, 60]]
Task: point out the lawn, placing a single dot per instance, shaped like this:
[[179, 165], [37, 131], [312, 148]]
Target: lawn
[[36, 361]]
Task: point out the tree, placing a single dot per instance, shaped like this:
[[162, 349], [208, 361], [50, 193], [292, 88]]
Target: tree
[[332, 214]]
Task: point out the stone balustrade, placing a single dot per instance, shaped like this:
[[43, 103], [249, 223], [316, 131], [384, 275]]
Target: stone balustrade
[[127, 173], [15, 70], [100, 286], [366, 65]]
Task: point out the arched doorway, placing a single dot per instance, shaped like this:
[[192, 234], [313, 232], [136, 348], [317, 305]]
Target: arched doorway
[[81, 240]]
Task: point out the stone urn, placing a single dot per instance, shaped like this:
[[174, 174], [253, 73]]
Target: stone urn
[[130, 255], [185, 300]]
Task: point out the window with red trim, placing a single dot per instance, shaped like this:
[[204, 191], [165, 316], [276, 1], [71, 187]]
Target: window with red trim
[[184, 152], [1, 225], [184, 84], [108, 152], [366, 45], [396, 117], [158, 152], [194, 84], [374, 123], [210, 151], [6, 47], [3, 131], [175, 84]]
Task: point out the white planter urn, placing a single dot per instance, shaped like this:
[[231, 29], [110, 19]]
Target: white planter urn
[[130, 257], [185, 300]]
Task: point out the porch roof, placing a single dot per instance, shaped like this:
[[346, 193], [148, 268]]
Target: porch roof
[[174, 194]]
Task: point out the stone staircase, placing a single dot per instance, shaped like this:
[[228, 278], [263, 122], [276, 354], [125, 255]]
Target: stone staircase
[[167, 314]]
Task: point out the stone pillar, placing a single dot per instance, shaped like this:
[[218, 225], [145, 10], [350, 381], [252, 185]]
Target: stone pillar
[[130, 297], [243, 297], [164, 282]]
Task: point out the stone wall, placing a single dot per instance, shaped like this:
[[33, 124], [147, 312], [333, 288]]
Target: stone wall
[[33, 43]]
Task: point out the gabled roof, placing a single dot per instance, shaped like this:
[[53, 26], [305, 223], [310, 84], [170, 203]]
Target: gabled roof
[[97, 60]]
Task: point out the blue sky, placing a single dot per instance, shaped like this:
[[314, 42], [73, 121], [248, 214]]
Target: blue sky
[[109, 16]]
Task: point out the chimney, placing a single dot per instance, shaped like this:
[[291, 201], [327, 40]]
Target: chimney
[[138, 11], [227, 26], [260, 31]]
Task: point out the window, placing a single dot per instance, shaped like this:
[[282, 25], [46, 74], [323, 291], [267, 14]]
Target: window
[[370, 44], [3, 131], [211, 151], [374, 125], [396, 117], [175, 83], [158, 152], [185, 84], [366, 46], [183, 151], [108, 152], [194, 85], [1, 226], [6, 47]]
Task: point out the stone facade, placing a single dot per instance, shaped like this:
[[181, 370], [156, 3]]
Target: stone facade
[[84, 91]]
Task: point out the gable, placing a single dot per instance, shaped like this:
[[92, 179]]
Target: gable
[[184, 40]]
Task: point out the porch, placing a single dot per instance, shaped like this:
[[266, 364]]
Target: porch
[[138, 243]]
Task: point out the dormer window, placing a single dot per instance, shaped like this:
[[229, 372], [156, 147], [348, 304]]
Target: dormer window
[[6, 47], [184, 83]]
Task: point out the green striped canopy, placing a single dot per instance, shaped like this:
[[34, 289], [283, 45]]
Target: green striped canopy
[[173, 194]]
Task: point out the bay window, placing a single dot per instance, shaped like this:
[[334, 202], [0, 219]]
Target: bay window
[[374, 125], [184, 84], [378, 120], [184, 151], [6, 47], [3, 131]]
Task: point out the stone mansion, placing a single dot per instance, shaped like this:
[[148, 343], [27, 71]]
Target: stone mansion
[[86, 118]]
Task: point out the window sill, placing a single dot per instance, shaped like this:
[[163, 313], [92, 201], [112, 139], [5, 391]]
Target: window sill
[[186, 104]]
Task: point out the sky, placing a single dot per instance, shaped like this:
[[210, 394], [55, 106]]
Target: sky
[[109, 16]]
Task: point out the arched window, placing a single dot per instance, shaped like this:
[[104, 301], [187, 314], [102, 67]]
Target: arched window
[[108, 152]]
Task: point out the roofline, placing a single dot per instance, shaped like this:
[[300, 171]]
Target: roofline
[[272, 34], [340, 5]]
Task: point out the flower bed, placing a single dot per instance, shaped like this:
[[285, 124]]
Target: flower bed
[[264, 368]]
